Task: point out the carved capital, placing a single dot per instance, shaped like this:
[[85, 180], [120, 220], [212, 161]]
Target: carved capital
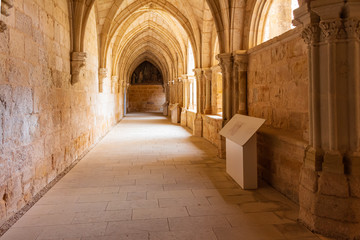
[[207, 74], [103, 73], [241, 60], [198, 73], [78, 61], [352, 27], [333, 29], [311, 34], [226, 62]]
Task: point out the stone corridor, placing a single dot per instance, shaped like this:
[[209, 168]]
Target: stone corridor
[[130, 186]]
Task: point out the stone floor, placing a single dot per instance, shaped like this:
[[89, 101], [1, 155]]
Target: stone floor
[[150, 179]]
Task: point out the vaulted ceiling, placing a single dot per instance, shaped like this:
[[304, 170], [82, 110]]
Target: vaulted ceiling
[[158, 31]]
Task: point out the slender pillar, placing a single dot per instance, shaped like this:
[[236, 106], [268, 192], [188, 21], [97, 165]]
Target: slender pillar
[[226, 64], [198, 122], [208, 79], [240, 88]]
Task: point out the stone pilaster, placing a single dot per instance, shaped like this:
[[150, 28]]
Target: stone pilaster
[[240, 82], [78, 61], [114, 84], [198, 121], [199, 90], [5, 5], [102, 75], [328, 201], [226, 64]]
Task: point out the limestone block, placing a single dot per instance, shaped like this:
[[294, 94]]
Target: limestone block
[[22, 100], [23, 23], [5, 99], [31, 9], [4, 42], [333, 184], [47, 23], [17, 43], [18, 71], [309, 179], [334, 208], [354, 182], [307, 199]]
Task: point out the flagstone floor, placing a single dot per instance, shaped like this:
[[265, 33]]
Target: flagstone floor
[[150, 179]]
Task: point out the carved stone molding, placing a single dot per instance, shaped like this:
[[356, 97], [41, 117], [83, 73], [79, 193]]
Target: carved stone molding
[[332, 30], [226, 62], [78, 61], [102, 75], [198, 73], [241, 61], [352, 27], [311, 34], [5, 5]]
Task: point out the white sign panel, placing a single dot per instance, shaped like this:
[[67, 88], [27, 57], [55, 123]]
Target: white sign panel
[[241, 128]]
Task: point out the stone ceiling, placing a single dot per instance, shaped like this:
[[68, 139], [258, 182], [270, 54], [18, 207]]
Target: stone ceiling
[[133, 31]]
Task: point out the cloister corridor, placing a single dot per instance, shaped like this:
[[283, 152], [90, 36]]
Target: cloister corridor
[[150, 179]]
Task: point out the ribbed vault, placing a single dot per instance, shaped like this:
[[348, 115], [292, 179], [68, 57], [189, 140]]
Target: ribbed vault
[[131, 32]]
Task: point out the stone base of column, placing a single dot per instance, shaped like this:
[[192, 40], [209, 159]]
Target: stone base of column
[[333, 162], [183, 120], [330, 200], [198, 126], [313, 159]]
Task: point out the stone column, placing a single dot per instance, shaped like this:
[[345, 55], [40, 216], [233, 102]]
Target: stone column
[[329, 203], [102, 75], [5, 5], [208, 79], [240, 82], [180, 91], [78, 61], [198, 122], [226, 64], [199, 90]]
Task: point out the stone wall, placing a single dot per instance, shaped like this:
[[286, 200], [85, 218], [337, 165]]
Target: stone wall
[[45, 122], [146, 98], [278, 92], [280, 158], [190, 117], [212, 124]]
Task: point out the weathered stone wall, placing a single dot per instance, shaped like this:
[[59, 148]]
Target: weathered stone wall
[[280, 158], [212, 124], [278, 83], [278, 92], [190, 117], [146, 98], [45, 122]]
